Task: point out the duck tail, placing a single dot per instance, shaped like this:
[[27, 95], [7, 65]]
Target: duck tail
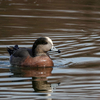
[[11, 49]]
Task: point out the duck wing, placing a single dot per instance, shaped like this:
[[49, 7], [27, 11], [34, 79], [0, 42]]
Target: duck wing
[[18, 52], [11, 49]]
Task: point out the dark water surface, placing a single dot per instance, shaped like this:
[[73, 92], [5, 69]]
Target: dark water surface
[[74, 27]]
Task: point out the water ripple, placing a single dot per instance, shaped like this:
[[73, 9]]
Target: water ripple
[[74, 28]]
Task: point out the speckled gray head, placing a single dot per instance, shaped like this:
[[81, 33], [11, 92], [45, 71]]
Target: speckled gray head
[[53, 47], [43, 45]]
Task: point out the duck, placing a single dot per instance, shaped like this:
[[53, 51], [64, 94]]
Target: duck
[[37, 56]]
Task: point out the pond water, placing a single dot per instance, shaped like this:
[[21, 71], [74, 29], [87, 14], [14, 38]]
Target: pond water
[[74, 27]]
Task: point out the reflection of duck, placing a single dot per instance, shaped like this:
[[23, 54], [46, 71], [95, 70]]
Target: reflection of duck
[[31, 71], [37, 56], [38, 74], [41, 84]]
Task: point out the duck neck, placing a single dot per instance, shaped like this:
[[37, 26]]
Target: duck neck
[[37, 52]]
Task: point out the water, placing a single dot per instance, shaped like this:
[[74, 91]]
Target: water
[[74, 27]]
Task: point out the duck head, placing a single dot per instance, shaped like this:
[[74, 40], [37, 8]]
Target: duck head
[[42, 45]]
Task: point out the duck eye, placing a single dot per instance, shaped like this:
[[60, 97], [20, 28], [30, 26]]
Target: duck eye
[[45, 43]]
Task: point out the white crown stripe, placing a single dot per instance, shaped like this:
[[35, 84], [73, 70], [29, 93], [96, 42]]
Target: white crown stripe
[[49, 40]]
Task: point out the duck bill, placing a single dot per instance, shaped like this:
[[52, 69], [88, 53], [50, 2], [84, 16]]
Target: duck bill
[[54, 49]]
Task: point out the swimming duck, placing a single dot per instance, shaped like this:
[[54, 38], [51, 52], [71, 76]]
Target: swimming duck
[[37, 56]]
